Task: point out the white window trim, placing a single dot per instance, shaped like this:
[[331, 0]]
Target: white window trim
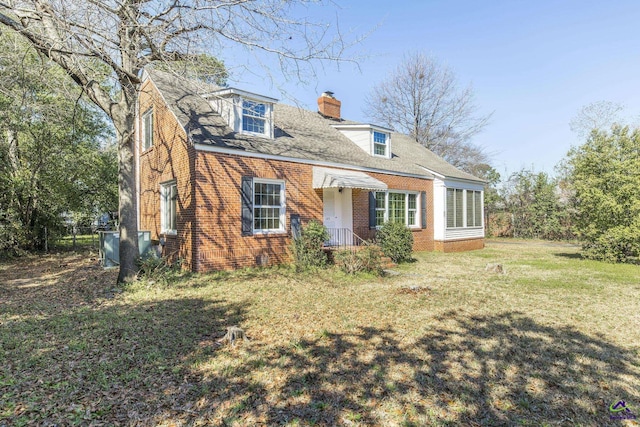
[[164, 187], [144, 132], [283, 206], [418, 210], [268, 118], [387, 144], [464, 210]]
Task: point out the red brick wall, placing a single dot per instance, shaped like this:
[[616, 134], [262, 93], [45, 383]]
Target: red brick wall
[[459, 245], [219, 235], [218, 184], [422, 238], [170, 158]]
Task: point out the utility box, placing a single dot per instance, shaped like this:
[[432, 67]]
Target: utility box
[[110, 246]]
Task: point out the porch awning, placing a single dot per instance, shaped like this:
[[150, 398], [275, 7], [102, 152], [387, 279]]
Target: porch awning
[[336, 178]]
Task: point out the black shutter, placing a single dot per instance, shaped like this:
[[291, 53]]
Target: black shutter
[[247, 205], [423, 204], [372, 209]]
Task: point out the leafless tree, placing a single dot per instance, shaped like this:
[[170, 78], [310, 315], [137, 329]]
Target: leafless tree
[[104, 44], [598, 115], [422, 98]]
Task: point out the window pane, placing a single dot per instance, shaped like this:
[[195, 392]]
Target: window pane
[[254, 109], [379, 138], [267, 206], [147, 130], [450, 208], [379, 143], [168, 207], [397, 207], [253, 116], [412, 202], [380, 208], [478, 209], [459, 207], [173, 207], [252, 124], [470, 205], [412, 218]]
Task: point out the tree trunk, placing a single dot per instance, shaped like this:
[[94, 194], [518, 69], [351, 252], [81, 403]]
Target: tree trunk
[[128, 210]]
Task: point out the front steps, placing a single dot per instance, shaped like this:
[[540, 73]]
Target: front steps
[[385, 262]]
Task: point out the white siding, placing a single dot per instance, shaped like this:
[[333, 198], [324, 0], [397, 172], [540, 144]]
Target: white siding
[[463, 233], [228, 109], [456, 233], [360, 137]]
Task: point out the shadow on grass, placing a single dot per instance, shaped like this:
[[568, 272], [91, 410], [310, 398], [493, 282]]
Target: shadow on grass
[[492, 370], [153, 362], [119, 364]]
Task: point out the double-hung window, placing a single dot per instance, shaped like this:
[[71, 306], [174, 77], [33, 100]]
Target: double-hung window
[[464, 208], [168, 207], [395, 206], [263, 206], [380, 145], [254, 116], [147, 129]]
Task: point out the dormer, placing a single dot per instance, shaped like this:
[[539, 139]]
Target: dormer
[[374, 140], [245, 112]]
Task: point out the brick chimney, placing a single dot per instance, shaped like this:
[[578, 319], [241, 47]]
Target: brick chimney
[[329, 106]]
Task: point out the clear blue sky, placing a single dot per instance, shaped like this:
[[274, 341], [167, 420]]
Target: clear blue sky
[[534, 64]]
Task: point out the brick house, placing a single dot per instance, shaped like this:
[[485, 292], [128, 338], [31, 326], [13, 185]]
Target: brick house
[[225, 176]]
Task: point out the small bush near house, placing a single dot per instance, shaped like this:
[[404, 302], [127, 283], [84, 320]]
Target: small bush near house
[[307, 249], [396, 241], [154, 268], [366, 259]]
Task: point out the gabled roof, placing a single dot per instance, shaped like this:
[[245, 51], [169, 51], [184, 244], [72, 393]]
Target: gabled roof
[[298, 133]]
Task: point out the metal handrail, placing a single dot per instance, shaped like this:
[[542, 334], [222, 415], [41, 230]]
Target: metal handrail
[[344, 237]]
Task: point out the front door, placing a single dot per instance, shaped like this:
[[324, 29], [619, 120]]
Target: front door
[[338, 215]]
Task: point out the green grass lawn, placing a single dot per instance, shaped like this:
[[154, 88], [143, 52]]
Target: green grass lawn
[[554, 341]]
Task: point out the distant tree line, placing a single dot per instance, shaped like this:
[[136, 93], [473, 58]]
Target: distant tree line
[[595, 197], [530, 205], [56, 164]]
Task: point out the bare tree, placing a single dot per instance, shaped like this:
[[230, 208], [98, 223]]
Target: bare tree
[[422, 99], [595, 116], [103, 45]]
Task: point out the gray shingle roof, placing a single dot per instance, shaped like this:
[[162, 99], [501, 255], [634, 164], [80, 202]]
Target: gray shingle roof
[[299, 133]]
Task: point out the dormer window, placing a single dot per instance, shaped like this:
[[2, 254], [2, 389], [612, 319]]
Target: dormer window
[[253, 116], [380, 145], [245, 112], [374, 140]]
